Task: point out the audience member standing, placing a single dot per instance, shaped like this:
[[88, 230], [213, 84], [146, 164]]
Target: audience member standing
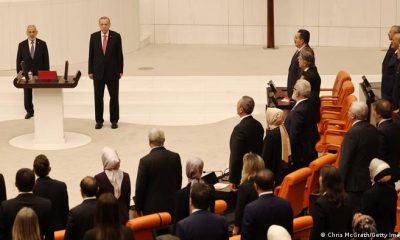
[[3, 192], [107, 223], [310, 73], [301, 127], [360, 145], [301, 39], [34, 53], [194, 170], [276, 151], [26, 225], [247, 136], [159, 177], [202, 224], [54, 190], [331, 213], [380, 201], [267, 210], [389, 69], [389, 135], [252, 163], [24, 181], [113, 180], [81, 217]]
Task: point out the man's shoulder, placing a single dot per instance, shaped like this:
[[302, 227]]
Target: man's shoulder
[[23, 42], [114, 33], [84, 206]]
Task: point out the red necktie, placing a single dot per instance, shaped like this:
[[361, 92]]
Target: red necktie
[[104, 44]]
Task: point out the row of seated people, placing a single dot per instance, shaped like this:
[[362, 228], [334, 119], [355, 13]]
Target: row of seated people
[[332, 214]]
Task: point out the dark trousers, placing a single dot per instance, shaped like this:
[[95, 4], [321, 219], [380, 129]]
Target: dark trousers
[[113, 91], [28, 100]]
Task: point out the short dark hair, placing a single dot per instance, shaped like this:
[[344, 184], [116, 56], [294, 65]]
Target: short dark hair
[[383, 108], [200, 194], [305, 35], [265, 180], [89, 186], [247, 103], [25, 180], [41, 165]]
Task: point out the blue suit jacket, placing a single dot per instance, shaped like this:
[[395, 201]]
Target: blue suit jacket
[[203, 225], [260, 214]]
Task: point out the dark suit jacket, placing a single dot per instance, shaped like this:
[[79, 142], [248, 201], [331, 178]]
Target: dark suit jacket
[[272, 154], [10, 208], [328, 217], [109, 66], [294, 73], [159, 177], [203, 225], [389, 67], [380, 203], [246, 194], [260, 214], [40, 60], [360, 145], [3, 192], [182, 204], [246, 137], [396, 90], [126, 232], [56, 192], [312, 76], [303, 134], [80, 220], [105, 186], [389, 150]]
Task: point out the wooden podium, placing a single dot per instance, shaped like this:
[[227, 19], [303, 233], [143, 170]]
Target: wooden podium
[[49, 115]]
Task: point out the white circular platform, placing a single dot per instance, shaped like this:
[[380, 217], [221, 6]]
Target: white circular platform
[[72, 140]]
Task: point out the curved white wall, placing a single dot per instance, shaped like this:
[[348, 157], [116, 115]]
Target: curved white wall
[[65, 25]]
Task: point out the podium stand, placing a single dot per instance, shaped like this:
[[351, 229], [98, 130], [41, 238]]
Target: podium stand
[[49, 115]]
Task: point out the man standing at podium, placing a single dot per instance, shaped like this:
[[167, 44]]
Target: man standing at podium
[[106, 63], [34, 53]]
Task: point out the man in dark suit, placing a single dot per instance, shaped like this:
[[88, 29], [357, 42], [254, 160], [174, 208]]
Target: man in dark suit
[[81, 217], [106, 63], [267, 210], [389, 68], [301, 127], [301, 40], [54, 190], [159, 177], [24, 181], [246, 137], [3, 192], [360, 145], [34, 53], [202, 224], [389, 136]]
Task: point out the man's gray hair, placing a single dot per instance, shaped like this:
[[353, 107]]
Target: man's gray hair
[[247, 103], [359, 110], [105, 17], [156, 137], [303, 87]]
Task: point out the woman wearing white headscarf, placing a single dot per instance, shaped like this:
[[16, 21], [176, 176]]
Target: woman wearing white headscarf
[[112, 180], [276, 150], [194, 170]]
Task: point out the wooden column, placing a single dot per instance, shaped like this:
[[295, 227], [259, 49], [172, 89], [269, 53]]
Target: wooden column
[[270, 25]]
